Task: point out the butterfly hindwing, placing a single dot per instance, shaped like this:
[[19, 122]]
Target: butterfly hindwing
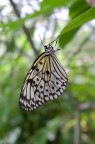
[[59, 75]]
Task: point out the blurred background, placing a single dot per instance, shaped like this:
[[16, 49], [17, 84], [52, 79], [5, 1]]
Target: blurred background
[[71, 118]]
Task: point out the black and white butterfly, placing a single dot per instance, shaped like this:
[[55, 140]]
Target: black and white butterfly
[[46, 80]]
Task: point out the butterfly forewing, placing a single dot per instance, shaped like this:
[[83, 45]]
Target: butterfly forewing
[[45, 81]]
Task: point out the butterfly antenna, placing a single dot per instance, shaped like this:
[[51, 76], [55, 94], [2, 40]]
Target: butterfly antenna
[[41, 40]]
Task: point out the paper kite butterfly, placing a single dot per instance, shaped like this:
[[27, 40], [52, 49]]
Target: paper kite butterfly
[[46, 80]]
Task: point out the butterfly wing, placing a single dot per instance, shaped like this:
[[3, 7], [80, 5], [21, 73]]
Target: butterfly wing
[[32, 79], [58, 77], [45, 81]]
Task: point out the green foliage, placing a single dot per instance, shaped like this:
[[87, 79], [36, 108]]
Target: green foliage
[[72, 26], [71, 118], [77, 8]]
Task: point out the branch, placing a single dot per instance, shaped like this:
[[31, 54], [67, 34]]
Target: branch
[[77, 128], [24, 28]]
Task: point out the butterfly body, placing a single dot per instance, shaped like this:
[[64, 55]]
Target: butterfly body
[[45, 81]]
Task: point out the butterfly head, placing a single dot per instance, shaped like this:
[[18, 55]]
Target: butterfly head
[[48, 49]]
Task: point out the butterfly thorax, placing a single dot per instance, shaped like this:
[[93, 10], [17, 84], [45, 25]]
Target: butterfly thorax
[[48, 49]]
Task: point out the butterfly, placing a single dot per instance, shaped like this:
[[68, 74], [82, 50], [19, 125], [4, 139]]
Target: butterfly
[[45, 80]]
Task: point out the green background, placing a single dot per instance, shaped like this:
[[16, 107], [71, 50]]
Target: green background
[[71, 118]]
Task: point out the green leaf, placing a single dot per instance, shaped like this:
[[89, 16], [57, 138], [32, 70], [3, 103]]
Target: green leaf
[[68, 36], [77, 8], [46, 4], [77, 22]]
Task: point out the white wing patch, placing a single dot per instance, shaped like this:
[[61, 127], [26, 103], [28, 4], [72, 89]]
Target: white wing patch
[[45, 81]]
